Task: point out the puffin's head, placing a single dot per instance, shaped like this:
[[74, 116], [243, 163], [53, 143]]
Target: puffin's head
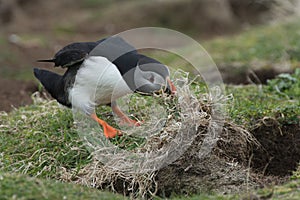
[[153, 77]]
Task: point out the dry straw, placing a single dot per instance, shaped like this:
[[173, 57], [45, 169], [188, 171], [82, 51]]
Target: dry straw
[[196, 150]]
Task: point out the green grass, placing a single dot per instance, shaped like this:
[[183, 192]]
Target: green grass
[[271, 44], [20, 187], [16, 186], [279, 99], [40, 140], [286, 85], [288, 191]]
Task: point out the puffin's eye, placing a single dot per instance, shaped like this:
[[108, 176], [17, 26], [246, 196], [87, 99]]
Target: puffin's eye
[[151, 79]]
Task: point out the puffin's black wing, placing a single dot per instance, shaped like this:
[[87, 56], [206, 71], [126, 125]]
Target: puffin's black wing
[[72, 54], [75, 53], [112, 48], [67, 58]]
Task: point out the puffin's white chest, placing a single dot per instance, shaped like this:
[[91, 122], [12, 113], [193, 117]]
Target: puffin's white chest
[[98, 82]]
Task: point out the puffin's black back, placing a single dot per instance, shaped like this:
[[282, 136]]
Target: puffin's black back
[[72, 56], [115, 49]]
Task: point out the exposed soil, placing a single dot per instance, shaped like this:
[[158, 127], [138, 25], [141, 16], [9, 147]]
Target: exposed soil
[[225, 170], [237, 75], [15, 93], [279, 154]]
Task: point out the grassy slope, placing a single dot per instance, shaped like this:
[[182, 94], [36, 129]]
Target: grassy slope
[[40, 140], [14, 186]]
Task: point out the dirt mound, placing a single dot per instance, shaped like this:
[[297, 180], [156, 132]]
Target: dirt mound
[[224, 170], [219, 156], [238, 162], [197, 150]]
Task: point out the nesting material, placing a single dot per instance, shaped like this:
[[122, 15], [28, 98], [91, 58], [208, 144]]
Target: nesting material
[[196, 150]]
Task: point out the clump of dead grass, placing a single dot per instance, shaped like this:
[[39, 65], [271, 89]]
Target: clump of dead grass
[[196, 150]]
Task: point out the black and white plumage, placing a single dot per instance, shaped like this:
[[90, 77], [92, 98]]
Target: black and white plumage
[[100, 72]]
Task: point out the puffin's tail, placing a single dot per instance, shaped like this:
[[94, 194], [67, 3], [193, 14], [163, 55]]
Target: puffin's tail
[[50, 80]]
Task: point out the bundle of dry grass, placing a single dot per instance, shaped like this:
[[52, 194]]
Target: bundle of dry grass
[[196, 150]]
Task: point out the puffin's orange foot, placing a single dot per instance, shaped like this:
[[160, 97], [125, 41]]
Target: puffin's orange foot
[[111, 132]]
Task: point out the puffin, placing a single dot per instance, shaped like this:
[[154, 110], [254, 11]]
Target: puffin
[[98, 73]]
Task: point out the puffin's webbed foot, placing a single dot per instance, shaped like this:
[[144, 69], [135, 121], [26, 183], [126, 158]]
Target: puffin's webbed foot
[[109, 131]]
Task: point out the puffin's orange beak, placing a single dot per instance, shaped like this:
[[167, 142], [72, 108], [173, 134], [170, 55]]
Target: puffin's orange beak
[[172, 86]]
